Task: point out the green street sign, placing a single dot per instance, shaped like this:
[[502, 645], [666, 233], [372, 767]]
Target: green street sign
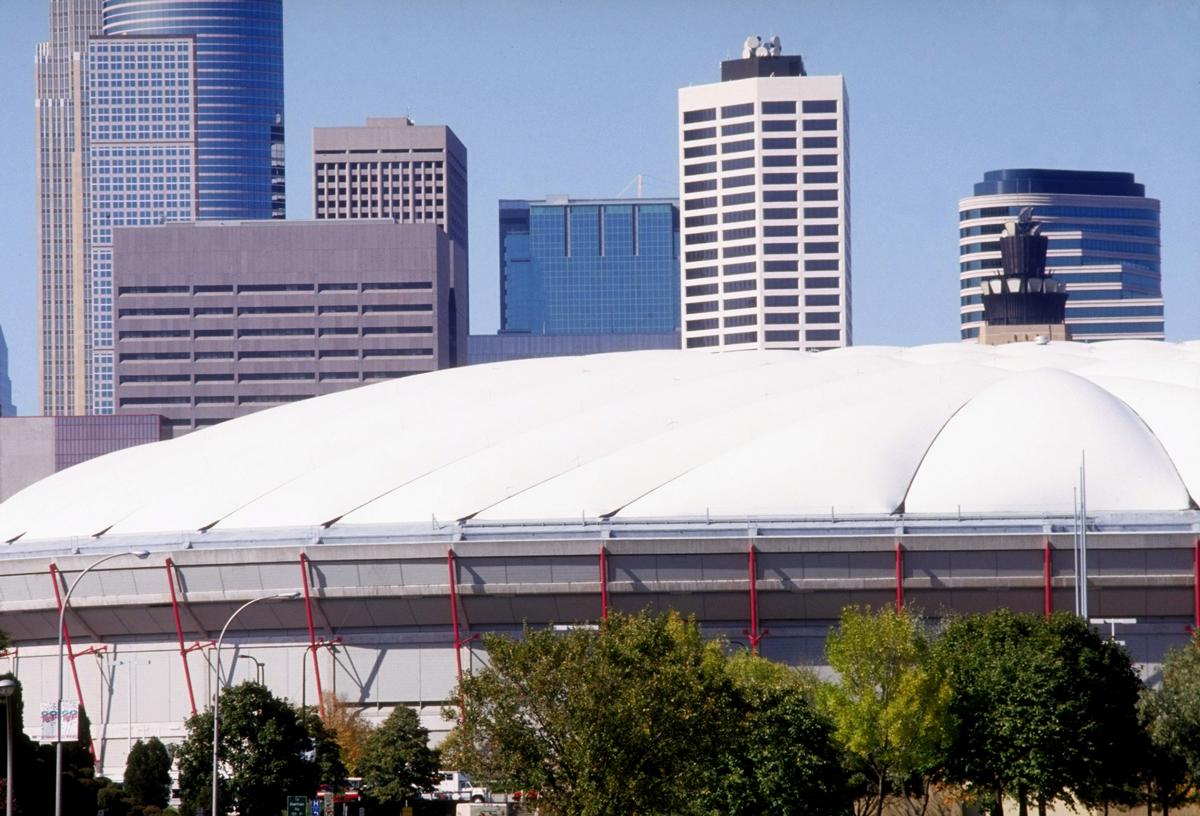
[[297, 806]]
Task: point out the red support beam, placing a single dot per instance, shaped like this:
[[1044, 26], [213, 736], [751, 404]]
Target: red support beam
[[54, 579], [453, 568], [754, 633], [312, 634], [187, 673], [899, 575], [603, 583], [1047, 572], [1196, 583]]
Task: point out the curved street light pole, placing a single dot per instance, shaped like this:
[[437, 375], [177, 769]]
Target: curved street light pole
[[217, 690], [62, 616]]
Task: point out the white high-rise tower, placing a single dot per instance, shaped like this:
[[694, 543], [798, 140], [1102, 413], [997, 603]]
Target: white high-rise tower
[[764, 194]]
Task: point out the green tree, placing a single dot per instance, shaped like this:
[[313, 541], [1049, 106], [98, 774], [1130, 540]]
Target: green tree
[[889, 705], [627, 718], [1041, 708], [1172, 715], [1163, 772], [397, 761], [783, 759], [325, 752], [263, 754], [148, 773]]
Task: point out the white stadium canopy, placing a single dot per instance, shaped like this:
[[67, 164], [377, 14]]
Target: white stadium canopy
[[939, 429]]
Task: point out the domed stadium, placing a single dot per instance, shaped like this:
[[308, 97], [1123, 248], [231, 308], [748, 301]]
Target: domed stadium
[[759, 491]]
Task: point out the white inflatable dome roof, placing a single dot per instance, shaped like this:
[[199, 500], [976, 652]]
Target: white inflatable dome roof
[[938, 429]]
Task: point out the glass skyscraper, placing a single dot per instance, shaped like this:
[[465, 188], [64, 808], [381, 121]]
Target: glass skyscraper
[[1103, 243], [6, 404], [239, 95], [60, 104], [149, 111], [596, 266]]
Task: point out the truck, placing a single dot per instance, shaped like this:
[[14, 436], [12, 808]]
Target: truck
[[457, 786]]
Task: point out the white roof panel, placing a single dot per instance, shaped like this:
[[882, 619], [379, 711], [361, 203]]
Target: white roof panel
[[936, 429]]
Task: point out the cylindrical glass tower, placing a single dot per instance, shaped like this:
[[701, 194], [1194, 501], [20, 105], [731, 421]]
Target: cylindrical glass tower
[[239, 95]]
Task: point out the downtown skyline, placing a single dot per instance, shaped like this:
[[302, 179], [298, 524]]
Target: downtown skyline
[[545, 108]]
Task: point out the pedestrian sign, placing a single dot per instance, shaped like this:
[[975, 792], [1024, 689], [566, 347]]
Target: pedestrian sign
[[297, 806]]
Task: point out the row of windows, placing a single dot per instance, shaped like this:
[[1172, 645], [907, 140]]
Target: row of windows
[[1065, 226], [806, 125], [1060, 263], [1057, 211], [746, 181], [737, 199], [769, 319], [1088, 244], [777, 336], [771, 214], [227, 311], [747, 109], [252, 288], [328, 331]]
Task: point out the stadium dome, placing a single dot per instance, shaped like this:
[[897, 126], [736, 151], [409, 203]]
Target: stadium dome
[[938, 429]]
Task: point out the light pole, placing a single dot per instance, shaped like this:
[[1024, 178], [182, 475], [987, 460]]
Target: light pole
[[217, 691], [58, 749], [259, 668], [8, 688]]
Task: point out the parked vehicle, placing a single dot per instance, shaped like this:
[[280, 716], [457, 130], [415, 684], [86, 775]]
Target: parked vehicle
[[457, 786]]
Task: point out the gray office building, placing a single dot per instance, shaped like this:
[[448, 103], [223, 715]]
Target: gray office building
[[392, 168], [219, 319], [34, 447]]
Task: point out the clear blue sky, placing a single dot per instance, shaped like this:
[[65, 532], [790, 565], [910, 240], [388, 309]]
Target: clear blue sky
[[578, 98]]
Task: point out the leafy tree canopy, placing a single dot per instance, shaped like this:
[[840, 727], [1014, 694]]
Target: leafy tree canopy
[[148, 773], [1174, 708], [889, 704], [640, 715], [264, 753], [1040, 708], [397, 761], [350, 729]]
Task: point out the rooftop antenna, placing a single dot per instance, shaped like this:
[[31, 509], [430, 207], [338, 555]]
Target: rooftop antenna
[[636, 182]]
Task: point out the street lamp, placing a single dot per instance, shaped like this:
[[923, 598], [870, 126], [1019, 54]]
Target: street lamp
[[8, 687], [58, 746], [217, 691]]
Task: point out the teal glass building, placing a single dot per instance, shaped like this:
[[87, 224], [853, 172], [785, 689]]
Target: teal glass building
[[589, 266]]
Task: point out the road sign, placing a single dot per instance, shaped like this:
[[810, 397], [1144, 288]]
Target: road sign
[[70, 721], [297, 806]]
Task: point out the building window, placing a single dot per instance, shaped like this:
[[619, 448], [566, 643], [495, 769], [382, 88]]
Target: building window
[[730, 111], [705, 115], [821, 283], [778, 107], [820, 106]]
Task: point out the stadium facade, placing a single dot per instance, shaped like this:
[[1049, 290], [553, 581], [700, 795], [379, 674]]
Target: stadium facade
[[760, 491]]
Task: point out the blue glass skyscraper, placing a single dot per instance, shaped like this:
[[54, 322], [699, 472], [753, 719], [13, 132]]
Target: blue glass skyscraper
[[239, 95], [6, 404], [597, 266], [1104, 245]]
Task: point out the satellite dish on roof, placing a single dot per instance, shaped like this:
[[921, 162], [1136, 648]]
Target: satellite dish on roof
[[749, 47], [762, 51], [776, 48]]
